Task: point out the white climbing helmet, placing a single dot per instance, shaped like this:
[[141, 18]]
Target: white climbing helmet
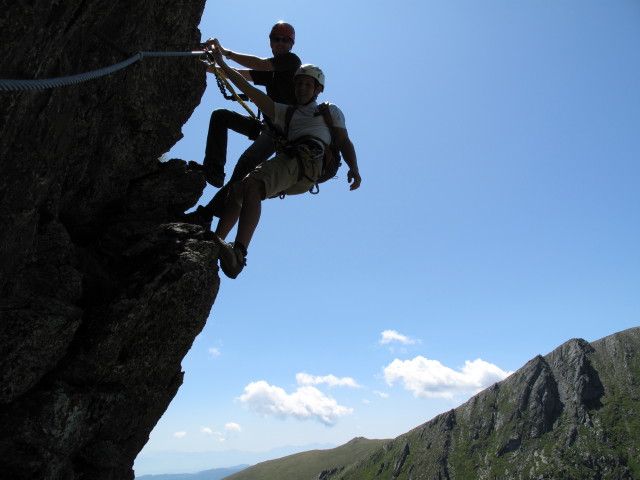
[[312, 71]]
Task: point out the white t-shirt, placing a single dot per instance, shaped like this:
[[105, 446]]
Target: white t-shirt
[[307, 120]]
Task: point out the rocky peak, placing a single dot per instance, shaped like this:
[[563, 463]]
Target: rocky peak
[[569, 414]]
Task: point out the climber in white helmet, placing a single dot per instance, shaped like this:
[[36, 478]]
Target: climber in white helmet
[[294, 170]]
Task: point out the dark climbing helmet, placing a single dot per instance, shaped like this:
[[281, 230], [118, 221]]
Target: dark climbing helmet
[[285, 29]]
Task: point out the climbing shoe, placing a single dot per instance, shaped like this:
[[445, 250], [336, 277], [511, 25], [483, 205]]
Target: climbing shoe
[[232, 259], [201, 216]]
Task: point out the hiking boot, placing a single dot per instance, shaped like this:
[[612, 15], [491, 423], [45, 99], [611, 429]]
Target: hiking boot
[[201, 216], [214, 174], [232, 260]]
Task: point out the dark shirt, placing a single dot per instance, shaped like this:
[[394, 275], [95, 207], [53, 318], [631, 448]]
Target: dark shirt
[[279, 83]]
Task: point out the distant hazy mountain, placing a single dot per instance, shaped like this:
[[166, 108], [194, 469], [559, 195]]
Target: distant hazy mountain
[[157, 463], [215, 474]]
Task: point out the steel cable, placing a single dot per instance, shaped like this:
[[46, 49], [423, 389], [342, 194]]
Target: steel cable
[[11, 85]]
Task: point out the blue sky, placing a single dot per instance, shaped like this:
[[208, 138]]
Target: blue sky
[[498, 143]]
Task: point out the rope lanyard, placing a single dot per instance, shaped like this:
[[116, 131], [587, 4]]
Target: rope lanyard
[[11, 85], [236, 97], [223, 82]]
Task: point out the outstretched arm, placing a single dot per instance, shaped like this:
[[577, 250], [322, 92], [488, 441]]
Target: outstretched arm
[[245, 73], [248, 61], [262, 101], [349, 154]]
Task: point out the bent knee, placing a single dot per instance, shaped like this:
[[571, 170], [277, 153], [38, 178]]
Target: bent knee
[[220, 114], [251, 186], [236, 192]]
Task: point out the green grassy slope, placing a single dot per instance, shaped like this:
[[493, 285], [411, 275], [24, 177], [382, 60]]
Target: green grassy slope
[[308, 465]]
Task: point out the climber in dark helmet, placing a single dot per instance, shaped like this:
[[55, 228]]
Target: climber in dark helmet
[[274, 73], [296, 167]]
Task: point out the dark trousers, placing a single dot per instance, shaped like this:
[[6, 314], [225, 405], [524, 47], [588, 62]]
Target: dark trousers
[[221, 121], [259, 151]]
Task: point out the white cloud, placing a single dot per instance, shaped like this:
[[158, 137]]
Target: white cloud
[[381, 394], [306, 403], [214, 352], [430, 379], [232, 427], [231, 430], [180, 434], [389, 336], [330, 380]]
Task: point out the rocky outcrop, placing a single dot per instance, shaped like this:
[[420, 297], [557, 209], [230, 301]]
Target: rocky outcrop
[[102, 287], [325, 474], [570, 414]]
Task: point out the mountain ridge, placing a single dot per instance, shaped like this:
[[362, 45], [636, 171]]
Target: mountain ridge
[[572, 413], [308, 464]]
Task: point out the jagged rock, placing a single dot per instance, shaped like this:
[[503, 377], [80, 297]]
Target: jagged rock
[[325, 474], [102, 288], [400, 462], [570, 414]]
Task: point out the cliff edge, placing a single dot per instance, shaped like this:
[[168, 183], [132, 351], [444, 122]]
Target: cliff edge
[[102, 288]]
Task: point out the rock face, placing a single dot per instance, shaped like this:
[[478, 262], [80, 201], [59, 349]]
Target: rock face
[[102, 288], [573, 413]]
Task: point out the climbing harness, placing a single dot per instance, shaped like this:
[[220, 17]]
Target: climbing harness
[[9, 85], [331, 160]]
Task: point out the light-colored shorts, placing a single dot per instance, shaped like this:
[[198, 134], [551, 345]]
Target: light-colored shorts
[[282, 174]]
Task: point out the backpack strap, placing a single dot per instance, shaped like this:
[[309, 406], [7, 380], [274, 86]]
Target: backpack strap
[[279, 134], [291, 109], [326, 114], [328, 119]]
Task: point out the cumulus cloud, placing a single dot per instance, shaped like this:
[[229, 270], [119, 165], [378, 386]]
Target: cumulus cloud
[[214, 352], [381, 394], [389, 336], [231, 430], [306, 403], [430, 379], [232, 427], [330, 380], [180, 434]]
